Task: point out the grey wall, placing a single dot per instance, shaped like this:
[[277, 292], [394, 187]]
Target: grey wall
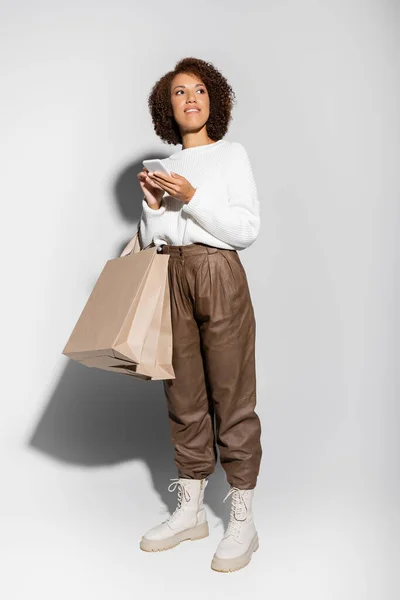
[[86, 457]]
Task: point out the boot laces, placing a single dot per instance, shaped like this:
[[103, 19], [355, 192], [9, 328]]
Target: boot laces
[[238, 512], [182, 493]]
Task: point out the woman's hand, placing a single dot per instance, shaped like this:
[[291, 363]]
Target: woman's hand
[[176, 186], [153, 193]]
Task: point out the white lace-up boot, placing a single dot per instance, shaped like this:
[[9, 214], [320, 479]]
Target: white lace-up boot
[[240, 539], [187, 522]]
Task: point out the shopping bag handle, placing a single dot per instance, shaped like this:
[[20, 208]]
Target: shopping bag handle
[[137, 244]]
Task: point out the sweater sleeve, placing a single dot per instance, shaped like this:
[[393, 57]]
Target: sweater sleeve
[[148, 220], [233, 218]]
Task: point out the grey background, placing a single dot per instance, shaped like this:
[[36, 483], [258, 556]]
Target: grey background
[[86, 456]]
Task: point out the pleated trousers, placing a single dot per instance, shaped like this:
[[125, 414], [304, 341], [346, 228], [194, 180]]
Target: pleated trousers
[[211, 402]]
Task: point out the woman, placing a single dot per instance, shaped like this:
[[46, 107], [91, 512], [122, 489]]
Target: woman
[[201, 216]]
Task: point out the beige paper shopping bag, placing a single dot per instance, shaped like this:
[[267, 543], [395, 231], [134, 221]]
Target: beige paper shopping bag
[[156, 359], [125, 325]]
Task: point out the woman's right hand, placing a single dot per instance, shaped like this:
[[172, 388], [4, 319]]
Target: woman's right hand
[[153, 193]]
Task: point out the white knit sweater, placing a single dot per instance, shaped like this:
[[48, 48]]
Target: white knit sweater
[[224, 211]]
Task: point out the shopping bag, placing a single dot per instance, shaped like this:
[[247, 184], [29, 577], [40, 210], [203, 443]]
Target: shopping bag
[[156, 359], [125, 325]]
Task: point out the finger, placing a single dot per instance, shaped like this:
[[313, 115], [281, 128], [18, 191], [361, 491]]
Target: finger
[[152, 180], [165, 186], [157, 187], [162, 177], [171, 189], [154, 184]]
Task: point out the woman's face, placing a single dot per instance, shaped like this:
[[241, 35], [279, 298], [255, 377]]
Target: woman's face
[[189, 92]]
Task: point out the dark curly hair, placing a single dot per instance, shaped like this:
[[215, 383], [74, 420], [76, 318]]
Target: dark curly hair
[[222, 99]]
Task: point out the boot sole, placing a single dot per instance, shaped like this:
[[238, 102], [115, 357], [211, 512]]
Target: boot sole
[[226, 565], [194, 533]]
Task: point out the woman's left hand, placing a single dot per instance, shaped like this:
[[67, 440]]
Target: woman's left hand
[[176, 186]]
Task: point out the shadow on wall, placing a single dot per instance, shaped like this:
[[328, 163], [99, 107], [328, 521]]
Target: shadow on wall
[[128, 191], [96, 418]]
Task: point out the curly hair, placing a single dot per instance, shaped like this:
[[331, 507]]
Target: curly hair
[[222, 99]]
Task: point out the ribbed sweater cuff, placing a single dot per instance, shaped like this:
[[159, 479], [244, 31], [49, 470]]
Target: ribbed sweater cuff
[[151, 211], [195, 206]]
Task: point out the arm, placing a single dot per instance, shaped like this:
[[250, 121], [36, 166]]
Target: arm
[[235, 221], [148, 219]]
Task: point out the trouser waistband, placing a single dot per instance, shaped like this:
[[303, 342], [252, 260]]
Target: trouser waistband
[[189, 249]]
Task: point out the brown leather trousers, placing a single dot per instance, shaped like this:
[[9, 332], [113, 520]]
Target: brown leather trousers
[[213, 327]]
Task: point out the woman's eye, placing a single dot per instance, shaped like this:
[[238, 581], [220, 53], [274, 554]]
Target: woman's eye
[[199, 90]]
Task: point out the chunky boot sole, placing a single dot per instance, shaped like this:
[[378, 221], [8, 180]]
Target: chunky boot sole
[[225, 565], [194, 533]]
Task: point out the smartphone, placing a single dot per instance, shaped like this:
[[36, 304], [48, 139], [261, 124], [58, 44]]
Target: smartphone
[[155, 164]]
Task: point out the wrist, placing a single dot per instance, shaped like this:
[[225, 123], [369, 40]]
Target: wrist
[[153, 209], [191, 196], [154, 205]]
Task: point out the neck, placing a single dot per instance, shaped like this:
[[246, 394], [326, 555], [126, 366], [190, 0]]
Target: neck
[[191, 140]]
